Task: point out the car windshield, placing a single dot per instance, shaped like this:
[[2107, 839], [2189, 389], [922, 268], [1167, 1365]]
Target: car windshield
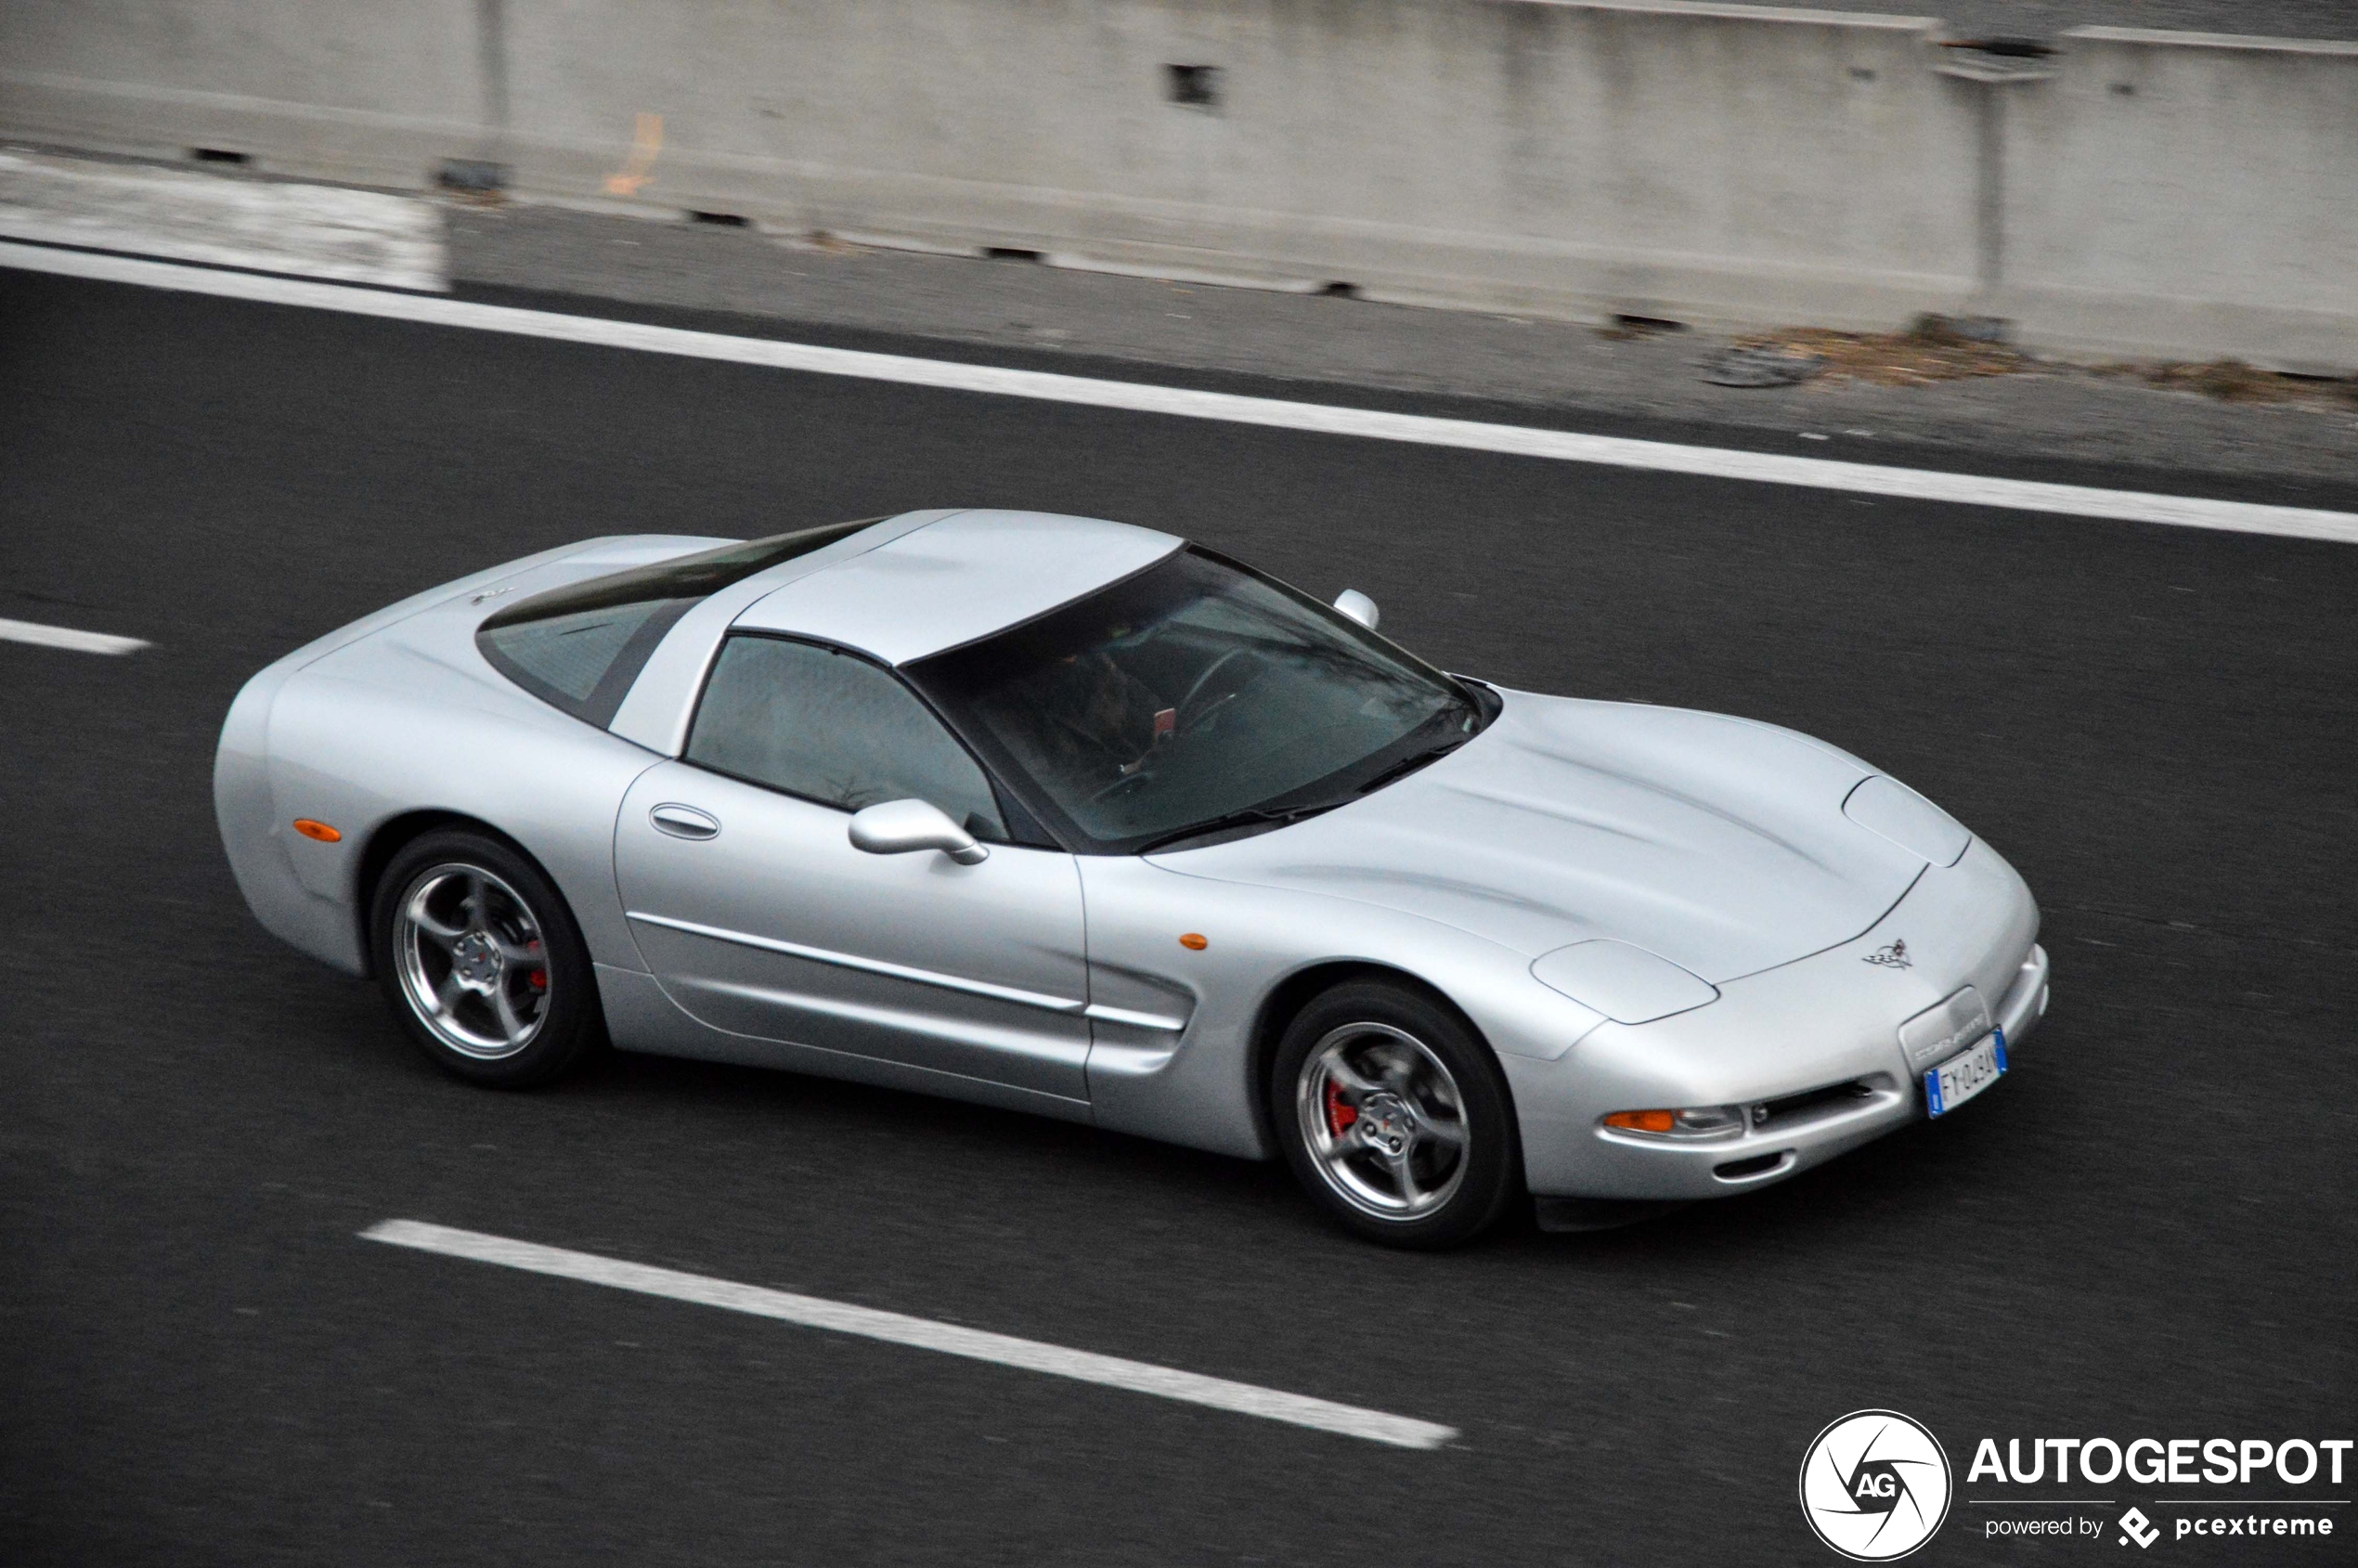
[[1194, 698]]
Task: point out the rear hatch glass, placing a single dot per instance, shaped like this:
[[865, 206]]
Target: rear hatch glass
[[578, 648]]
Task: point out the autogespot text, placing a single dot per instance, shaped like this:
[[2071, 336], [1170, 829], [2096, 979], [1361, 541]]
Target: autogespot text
[[2153, 1461], [2187, 1462]]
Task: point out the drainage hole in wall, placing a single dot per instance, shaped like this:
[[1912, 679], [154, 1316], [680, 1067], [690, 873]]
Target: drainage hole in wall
[[1340, 290], [470, 175], [2004, 48], [722, 220], [1623, 327], [1198, 86], [1010, 252], [219, 155]]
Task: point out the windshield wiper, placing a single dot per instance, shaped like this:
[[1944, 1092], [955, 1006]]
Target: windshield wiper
[[1408, 765], [1415, 760], [1252, 816]]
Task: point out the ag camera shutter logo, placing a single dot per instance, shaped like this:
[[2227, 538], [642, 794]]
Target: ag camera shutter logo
[[1875, 1485]]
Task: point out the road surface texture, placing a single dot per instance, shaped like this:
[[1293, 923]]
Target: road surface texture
[[2148, 1230]]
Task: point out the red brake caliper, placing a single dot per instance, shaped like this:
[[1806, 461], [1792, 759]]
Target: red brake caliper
[[1339, 1115], [539, 980]]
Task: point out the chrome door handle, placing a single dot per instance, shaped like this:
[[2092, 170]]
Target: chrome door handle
[[684, 821]]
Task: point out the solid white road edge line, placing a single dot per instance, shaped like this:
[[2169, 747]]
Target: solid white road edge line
[[1661, 457], [66, 637], [894, 1328]]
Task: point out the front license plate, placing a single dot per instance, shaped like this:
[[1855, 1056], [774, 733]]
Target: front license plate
[[1962, 1076]]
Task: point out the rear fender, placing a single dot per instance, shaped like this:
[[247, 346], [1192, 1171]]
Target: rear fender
[[366, 702]]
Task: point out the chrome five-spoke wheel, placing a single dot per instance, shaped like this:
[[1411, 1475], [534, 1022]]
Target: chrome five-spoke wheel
[[473, 963], [481, 961], [1385, 1120], [1393, 1114]]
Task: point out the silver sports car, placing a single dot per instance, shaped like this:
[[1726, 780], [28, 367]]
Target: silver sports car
[[1081, 819]]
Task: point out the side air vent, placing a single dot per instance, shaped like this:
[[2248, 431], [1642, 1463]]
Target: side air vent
[[1813, 1105], [1757, 1165]]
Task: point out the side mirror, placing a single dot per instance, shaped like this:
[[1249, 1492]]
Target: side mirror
[[897, 827], [1358, 606]]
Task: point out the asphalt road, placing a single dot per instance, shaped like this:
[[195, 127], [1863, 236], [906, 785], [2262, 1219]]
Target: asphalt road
[[2148, 1230]]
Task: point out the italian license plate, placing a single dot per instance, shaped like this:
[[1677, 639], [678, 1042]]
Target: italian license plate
[[1966, 1074]]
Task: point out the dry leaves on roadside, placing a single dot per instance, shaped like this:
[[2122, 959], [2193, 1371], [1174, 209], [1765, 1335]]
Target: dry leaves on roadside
[[1939, 349], [1932, 350]]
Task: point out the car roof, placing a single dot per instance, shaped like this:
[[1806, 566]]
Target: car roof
[[957, 579]]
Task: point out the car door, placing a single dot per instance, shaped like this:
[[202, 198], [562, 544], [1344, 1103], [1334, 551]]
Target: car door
[[759, 916]]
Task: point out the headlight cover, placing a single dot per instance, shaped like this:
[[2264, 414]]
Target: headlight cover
[[1886, 806], [1626, 984]]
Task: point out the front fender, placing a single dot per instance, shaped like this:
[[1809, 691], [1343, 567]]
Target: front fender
[[1194, 1083]]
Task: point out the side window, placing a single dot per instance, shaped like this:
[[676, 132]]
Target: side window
[[834, 729], [583, 661]]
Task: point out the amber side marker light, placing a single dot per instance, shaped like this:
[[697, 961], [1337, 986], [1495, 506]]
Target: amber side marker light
[[1194, 942], [319, 831]]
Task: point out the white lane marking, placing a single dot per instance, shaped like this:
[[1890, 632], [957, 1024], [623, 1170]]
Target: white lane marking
[[320, 231], [813, 1312], [1661, 457], [66, 637]]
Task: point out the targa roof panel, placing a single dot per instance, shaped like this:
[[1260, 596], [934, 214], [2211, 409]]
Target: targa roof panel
[[950, 582]]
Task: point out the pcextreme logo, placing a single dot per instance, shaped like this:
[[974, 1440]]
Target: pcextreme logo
[[1875, 1485]]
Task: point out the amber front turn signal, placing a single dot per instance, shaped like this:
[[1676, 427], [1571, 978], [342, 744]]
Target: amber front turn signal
[[317, 830], [1695, 1122]]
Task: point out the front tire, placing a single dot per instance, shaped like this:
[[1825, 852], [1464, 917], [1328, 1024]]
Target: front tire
[[482, 961], [1395, 1117]]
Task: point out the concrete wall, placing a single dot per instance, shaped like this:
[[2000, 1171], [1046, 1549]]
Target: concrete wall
[[1714, 164], [2186, 195], [1579, 159], [347, 88]]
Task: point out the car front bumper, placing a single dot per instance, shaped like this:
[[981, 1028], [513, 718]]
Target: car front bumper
[[1816, 1043]]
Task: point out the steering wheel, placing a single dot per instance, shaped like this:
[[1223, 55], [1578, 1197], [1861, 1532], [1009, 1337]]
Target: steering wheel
[[1210, 671]]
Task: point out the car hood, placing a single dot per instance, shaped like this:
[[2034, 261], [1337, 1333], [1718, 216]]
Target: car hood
[[1716, 843]]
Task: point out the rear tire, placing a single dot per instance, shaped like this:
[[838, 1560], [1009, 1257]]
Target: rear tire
[[1394, 1117], [482, 961]]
